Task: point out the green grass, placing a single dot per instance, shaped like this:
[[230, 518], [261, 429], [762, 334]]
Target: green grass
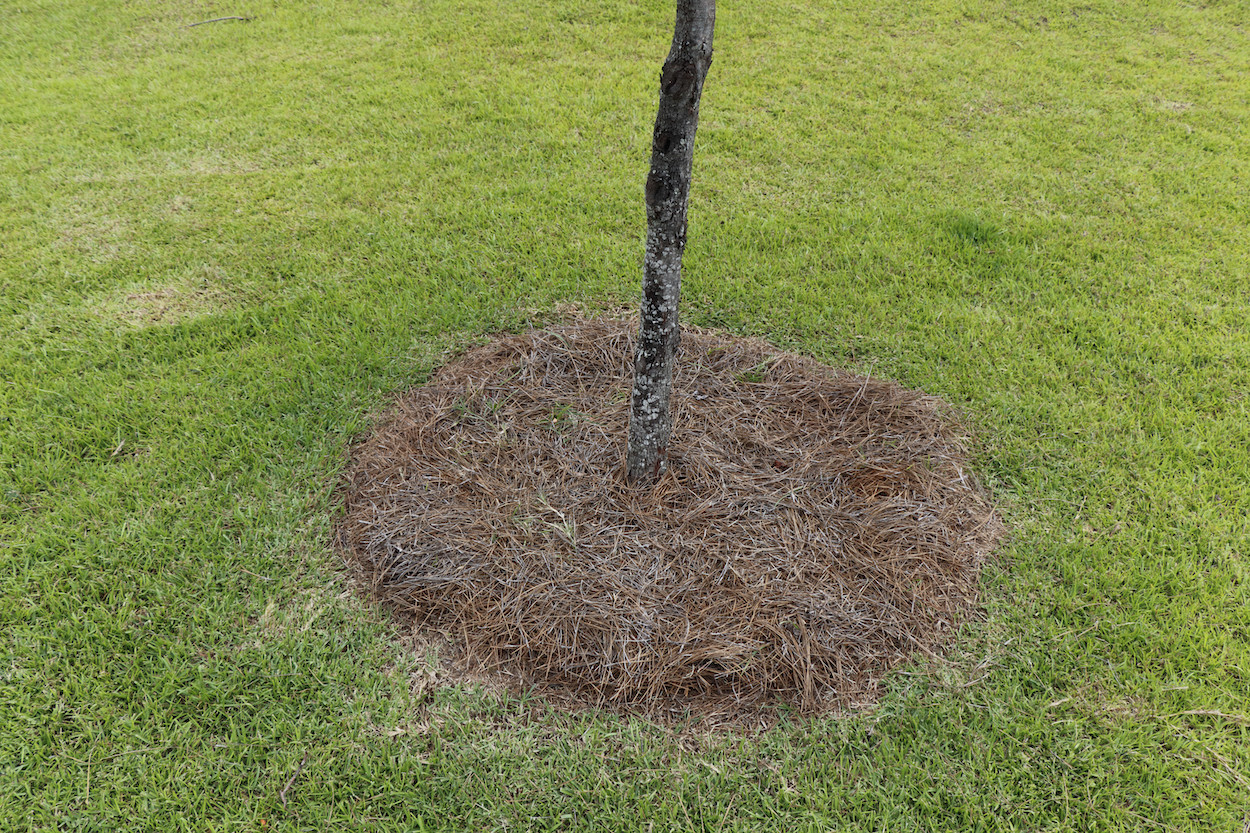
[[223, 247]]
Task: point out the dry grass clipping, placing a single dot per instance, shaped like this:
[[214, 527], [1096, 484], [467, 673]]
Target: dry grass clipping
[[814, 528]]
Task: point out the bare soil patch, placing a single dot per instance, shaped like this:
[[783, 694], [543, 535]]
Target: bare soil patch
[[814, 529]]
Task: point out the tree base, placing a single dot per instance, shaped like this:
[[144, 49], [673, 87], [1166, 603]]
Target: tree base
[[813, 530]]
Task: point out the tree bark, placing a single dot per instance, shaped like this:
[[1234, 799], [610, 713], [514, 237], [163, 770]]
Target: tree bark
[[668, 194]]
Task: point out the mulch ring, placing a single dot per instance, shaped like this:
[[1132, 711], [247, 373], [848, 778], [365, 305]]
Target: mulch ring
[[813, 530]]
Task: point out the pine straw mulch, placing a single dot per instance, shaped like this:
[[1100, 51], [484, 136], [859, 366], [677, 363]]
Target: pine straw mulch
[[814, 529]]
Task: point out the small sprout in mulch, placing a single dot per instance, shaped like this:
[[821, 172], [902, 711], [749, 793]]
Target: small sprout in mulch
[[813, 530]]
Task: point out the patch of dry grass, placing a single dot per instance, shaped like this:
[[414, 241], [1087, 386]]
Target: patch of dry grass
[[203, 291]]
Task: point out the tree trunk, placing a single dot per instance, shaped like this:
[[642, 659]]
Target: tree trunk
[[668, 193]]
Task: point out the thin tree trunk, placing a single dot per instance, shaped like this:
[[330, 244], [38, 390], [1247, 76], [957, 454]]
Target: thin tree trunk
[[668, 193]]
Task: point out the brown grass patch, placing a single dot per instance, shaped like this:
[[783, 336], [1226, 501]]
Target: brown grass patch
[[815, 528], [204, 291]]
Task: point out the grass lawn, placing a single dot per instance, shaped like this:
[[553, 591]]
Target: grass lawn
[[222, 248]]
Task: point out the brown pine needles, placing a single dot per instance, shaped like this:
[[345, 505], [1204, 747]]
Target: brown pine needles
[[814, 528]]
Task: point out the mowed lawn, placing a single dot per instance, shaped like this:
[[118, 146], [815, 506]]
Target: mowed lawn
[[224, 247]]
